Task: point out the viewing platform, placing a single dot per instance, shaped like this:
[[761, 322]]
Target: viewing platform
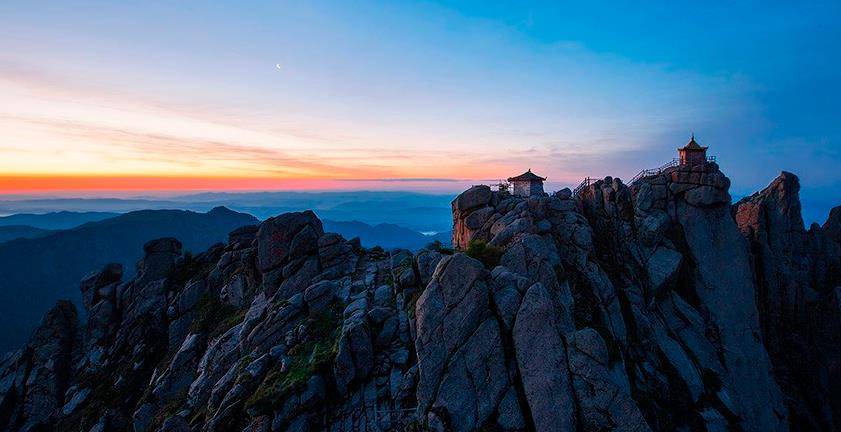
[[690, 154]]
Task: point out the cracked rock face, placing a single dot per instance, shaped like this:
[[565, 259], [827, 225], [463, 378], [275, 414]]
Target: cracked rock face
[[542, 361], [655, 306], [797, 277], [463, 376]]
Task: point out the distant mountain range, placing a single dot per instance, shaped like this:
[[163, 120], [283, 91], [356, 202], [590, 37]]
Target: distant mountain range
[[386, 235], [55, 220], [36, 272], [416, 211], [12, 232]]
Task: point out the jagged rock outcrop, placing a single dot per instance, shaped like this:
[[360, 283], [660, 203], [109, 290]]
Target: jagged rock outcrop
[[284, 328], [797, 272], [644, 268], [832, 226], [654, 306], [34, 380]]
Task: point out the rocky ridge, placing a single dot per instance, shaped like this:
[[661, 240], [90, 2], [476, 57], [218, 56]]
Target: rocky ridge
[[655, 306]]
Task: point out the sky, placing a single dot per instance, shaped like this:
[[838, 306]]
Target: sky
[[412, 95]]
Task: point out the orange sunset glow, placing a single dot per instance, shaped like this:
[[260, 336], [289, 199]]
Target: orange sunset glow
[[176, 113], [308, 97], [22, 184]]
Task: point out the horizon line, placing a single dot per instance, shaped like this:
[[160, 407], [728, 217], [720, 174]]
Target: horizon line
[[37, 184]]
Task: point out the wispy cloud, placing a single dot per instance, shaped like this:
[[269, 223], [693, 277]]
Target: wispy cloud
[[406, 180], [488, 106], [119, 145]]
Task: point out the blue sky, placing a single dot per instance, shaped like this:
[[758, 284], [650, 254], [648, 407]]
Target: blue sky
[[469, 91]]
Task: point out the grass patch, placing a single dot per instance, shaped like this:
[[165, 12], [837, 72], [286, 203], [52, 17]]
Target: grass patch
[[169, 410], [231, 320], [489, 255], [306, 359], [212, 317], [411, 302]]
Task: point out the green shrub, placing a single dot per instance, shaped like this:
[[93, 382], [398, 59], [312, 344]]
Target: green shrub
[[187, 269], [212, 317], [438, 246], [489, 255], [170, 409], [313, 356]]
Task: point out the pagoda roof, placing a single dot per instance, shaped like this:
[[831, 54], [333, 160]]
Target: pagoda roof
[[693, 145], [527, 176]]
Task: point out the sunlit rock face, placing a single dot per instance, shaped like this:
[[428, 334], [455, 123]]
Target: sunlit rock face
[[656, 306]]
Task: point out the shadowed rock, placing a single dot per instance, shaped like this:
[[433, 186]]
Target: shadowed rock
[[654, 306]]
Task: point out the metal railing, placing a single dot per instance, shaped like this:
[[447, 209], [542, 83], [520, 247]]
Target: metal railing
[[659, 170], [586, 182], [655, 171], [644, 173]]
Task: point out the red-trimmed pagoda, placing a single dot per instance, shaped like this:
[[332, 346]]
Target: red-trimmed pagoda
[[692, 153]]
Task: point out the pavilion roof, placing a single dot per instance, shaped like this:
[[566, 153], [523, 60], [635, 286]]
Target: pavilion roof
[[527, 176], [692, 145]]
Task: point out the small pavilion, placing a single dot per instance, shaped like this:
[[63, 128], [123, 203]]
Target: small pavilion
[[692, 153], [527, 184]]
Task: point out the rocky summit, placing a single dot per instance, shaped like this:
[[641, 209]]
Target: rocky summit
[[654, 306]]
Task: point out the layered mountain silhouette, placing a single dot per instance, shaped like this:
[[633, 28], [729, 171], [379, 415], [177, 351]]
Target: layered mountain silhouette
[[384, 235], [36, 272], [55, 220], [417, 211], [12, 232]]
